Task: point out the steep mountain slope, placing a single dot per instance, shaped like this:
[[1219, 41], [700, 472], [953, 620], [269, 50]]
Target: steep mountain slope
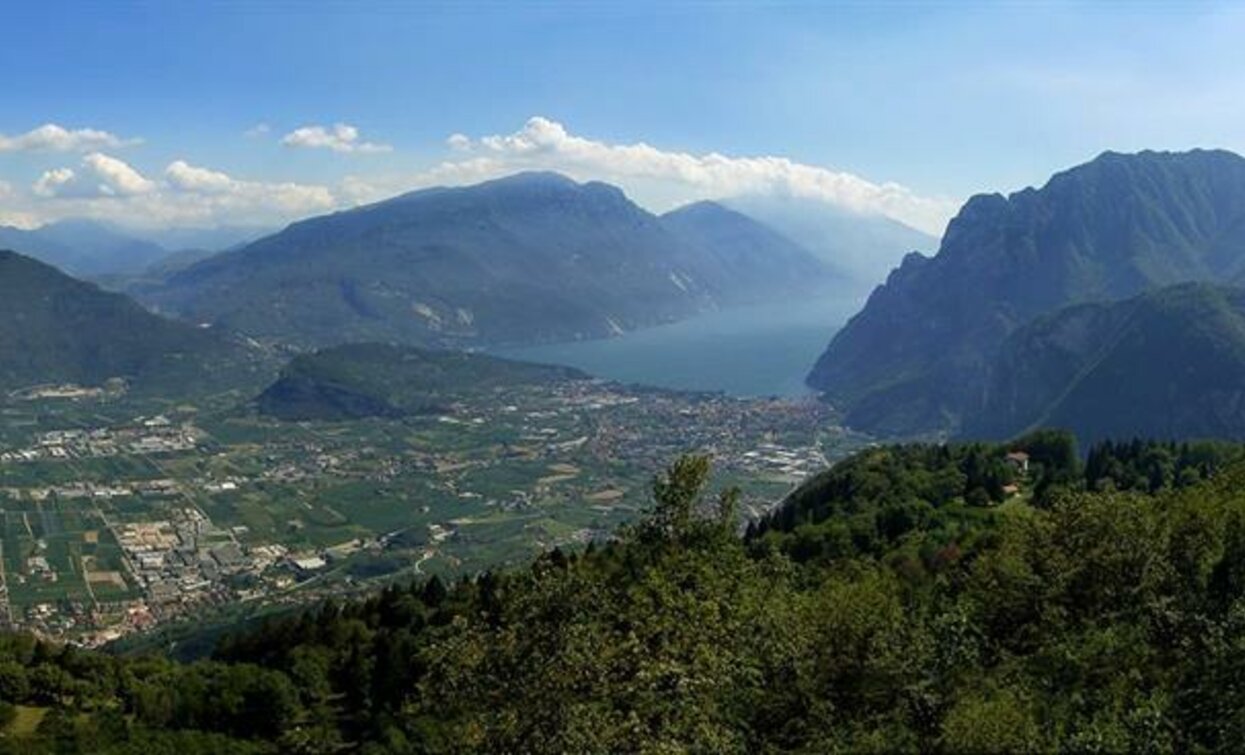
[[378, 380], [54, 328], [738, 248], [915, 358], [1166, 364], [218, 238], [84, 247], [529, 258], [863, 248]]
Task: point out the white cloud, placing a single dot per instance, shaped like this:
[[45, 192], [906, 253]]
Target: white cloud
[[9, 216], [181, 175], [116, 178], [54, 182], [53, 138], [258, 130], [185, 195], [677, 177], [341, 137], [99, 176], [227, 193]]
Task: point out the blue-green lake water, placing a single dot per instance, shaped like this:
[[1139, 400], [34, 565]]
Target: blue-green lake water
[[751, 351]]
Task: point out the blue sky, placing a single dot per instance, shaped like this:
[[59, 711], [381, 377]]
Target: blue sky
[[902, 108]]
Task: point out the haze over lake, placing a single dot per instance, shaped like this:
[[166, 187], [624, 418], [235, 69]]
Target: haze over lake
[[750, 351]]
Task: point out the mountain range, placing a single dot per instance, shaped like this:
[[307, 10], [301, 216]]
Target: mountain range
[[102, 251], [84, 248], [56, 329], [861, 247], [1053, 306], [530, 258], [920, 356]]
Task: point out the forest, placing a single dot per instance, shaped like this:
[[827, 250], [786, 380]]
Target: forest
[[921, 598]]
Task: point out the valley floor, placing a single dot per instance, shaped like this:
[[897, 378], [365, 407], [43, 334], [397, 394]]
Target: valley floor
[[120, 516]]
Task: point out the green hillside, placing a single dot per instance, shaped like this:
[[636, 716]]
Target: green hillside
[[378, 380], [1168, 364], [55, 329]]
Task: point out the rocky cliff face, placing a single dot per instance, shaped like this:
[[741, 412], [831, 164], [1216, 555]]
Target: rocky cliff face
[[916, 359]]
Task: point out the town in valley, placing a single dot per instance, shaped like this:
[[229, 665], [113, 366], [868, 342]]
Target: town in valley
[[120, 516]]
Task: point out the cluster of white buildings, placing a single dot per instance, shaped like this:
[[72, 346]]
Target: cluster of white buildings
[[152, 436], [788, 462]]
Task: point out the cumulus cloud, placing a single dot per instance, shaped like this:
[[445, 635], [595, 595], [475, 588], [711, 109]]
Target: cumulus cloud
[[54, 182], [115, 177], [98, 176], [186, 177], [226, 192], [9, 215], [680, 176], [341, 137], [256, 131], [53, 138], [185, 194]]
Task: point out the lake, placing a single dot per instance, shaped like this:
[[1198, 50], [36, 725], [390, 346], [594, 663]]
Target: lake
[[747, 351]]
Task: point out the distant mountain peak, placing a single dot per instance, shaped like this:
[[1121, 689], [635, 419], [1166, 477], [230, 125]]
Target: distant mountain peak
[[707, 208], [703, 205], [528, 180], [863, 247], [86, 247], [1123, 165], [533, 177]]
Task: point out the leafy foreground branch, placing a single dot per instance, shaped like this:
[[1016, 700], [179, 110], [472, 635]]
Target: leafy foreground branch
[[886, 609]]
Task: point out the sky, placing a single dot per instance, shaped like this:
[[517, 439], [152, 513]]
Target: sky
[[246, 113]]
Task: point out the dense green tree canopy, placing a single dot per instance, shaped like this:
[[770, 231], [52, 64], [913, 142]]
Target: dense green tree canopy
[[894, 610]]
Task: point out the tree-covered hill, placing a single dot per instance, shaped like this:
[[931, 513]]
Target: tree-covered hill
[[380, 380], [54, 328], [1088, 618], [915, 359], [1166, 364]]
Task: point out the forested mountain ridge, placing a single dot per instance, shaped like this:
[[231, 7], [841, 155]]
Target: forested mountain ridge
[[892, 612], [1169, 363], [915, 358], [528, 258], [54, 328]]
